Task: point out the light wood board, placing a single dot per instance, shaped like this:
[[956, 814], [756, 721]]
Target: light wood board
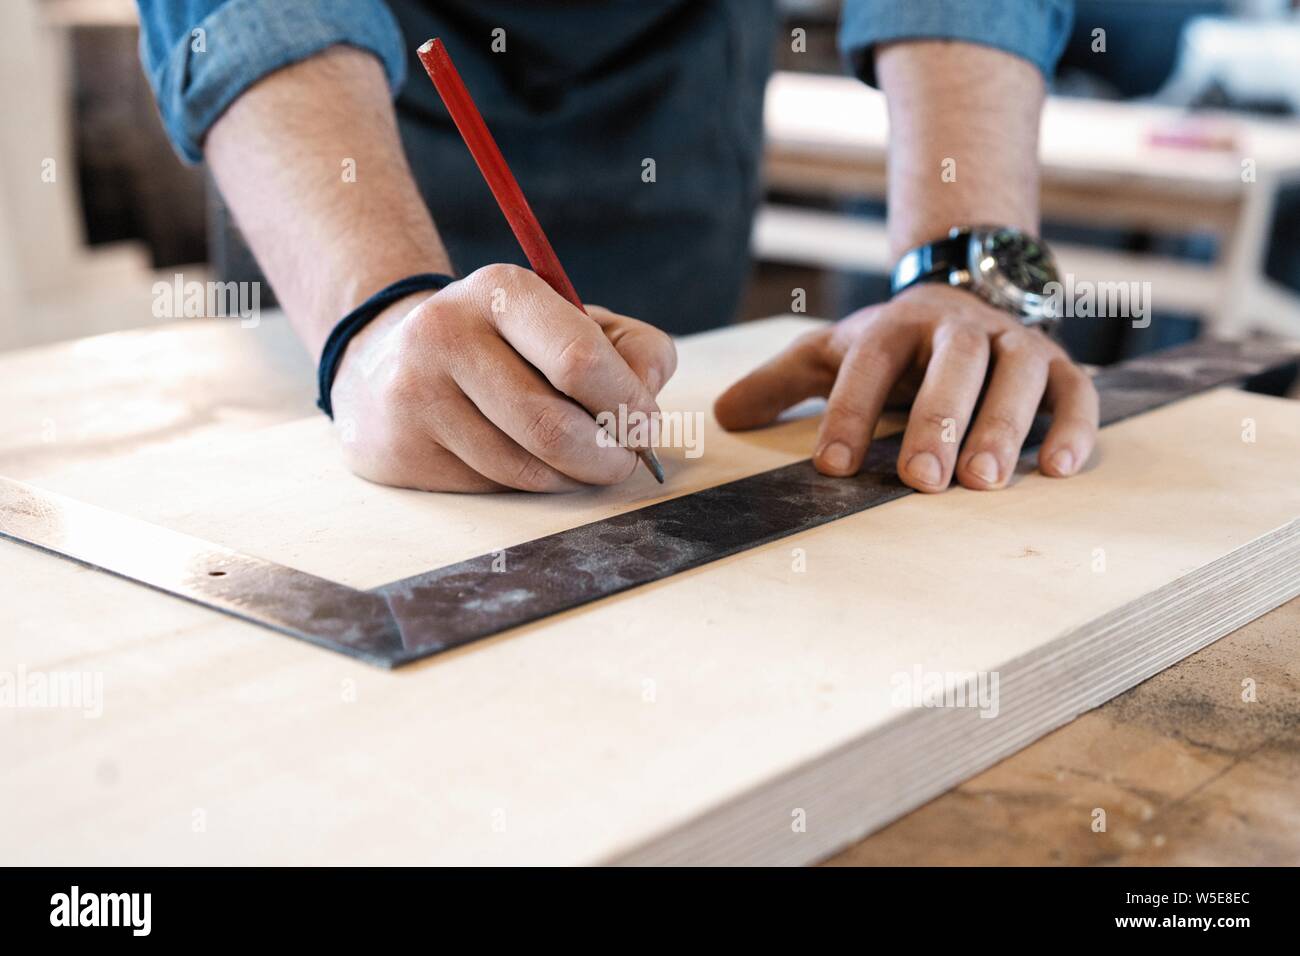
[[1198, 766], [598, 734]]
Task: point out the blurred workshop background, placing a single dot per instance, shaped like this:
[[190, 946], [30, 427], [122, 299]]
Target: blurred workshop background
[[1171, 150]]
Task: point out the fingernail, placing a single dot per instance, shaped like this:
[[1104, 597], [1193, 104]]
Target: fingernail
[[836, 456], [984, 467], [1063, 462], [652, 382], [924, 467]]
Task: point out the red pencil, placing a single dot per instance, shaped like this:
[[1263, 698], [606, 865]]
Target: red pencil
[[468, 120]]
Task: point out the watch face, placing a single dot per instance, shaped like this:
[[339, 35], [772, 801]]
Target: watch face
[[1022, 259]]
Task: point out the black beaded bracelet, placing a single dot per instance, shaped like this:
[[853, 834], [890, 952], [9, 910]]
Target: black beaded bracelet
[[358, 319]]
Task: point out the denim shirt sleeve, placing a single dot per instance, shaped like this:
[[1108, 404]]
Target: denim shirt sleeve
[[196, 75], [1036, 30]]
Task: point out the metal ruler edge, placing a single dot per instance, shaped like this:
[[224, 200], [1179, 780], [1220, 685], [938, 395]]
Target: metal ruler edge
[[451, 606]]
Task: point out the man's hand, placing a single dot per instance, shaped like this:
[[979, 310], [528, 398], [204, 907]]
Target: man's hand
[[971, 111], [939, 345], [492, 384]]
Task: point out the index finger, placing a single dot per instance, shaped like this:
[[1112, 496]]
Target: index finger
[[875, 361], [1074, 404], [567, 346]]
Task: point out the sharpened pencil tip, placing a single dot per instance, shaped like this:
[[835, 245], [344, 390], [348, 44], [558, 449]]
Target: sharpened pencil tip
[[652, 462]]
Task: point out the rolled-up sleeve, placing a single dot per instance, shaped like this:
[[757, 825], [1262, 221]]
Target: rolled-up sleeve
[[1036, 30], [200, 55]]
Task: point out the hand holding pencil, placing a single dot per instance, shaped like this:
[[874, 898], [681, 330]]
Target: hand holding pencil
[[459, 103], [443, 393], [494, 382]]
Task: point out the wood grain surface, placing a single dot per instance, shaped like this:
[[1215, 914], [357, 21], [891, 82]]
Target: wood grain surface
[[1188, 773], [1185, 770]]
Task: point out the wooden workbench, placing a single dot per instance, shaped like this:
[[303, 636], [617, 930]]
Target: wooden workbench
[[1186, 771]]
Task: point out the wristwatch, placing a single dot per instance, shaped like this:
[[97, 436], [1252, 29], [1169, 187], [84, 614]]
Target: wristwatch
[[1007, 268]]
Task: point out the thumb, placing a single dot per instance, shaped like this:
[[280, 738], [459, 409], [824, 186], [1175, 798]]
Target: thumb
[[757, 399], [650, 353]]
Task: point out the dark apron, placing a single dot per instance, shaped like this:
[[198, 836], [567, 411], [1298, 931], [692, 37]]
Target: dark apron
[[584, 94]]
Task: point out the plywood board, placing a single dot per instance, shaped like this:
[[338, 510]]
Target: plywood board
[[690, 720]]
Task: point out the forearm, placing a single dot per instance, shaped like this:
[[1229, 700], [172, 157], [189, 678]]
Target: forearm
[[284, 155], [963, 139]]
